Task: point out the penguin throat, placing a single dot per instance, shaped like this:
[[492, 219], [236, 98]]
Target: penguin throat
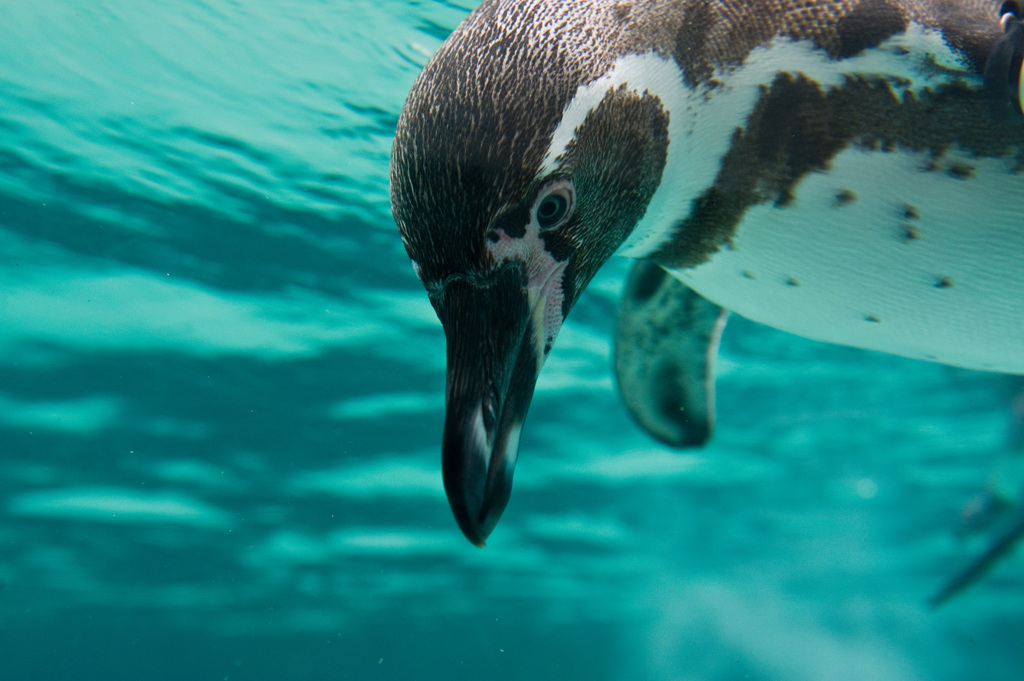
[[545, 277]]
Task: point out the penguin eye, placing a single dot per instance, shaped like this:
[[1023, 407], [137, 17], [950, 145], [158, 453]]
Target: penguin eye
[[553, 209]]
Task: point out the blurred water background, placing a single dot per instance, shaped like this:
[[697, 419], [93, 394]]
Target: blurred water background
[[221, 397]]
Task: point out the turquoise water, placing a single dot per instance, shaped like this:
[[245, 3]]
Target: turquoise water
[[221, 397]]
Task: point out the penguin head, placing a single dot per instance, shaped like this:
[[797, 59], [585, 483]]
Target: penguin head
[[506, 222]]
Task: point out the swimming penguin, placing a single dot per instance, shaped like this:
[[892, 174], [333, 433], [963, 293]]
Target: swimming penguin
[[846, 170]]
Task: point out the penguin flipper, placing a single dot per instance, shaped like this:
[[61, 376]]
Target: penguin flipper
[[665, 348]]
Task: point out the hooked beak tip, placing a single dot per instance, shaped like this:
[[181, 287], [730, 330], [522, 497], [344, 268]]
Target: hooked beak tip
[[477, 516], [477, 540], [478, 480], [467, 522]]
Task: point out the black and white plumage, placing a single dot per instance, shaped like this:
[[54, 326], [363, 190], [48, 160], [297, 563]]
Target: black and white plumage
[[847, 170]]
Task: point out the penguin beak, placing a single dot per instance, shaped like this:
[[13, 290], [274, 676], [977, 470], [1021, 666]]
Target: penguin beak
[[493, 362]]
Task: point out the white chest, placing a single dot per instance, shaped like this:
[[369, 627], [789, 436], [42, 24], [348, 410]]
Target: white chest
[[881, 254], [884, 250]]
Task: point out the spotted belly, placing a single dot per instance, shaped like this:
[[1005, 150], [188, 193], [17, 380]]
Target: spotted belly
[[893, 251]]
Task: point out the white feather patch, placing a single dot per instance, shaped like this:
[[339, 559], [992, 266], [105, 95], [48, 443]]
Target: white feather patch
[[703, 120], [924, 264]]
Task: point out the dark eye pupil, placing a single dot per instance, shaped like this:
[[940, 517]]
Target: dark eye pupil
[[551, 210]]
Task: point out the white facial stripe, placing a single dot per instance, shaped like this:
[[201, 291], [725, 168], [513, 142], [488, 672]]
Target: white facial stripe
[[649, 73], [640, 72], [702, 121]]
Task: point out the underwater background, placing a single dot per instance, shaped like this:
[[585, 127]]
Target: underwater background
[[221, 399]]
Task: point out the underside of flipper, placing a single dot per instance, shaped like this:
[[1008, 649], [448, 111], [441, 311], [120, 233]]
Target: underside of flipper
[[665, 349]]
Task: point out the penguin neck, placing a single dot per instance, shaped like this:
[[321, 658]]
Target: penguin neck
[[703, 119]]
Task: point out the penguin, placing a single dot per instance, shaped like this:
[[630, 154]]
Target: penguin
[[845, 170]]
